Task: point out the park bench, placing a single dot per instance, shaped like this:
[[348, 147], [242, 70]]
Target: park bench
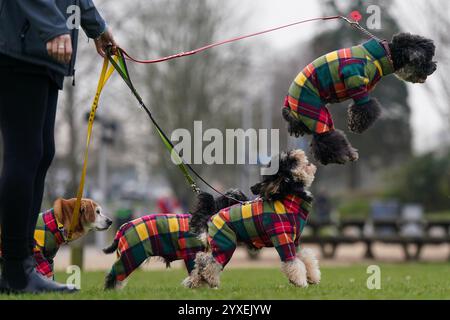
[[388, 223]]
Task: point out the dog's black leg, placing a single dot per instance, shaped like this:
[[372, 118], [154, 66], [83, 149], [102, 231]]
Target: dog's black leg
[[333, 147], [361, 117], [110, 281]]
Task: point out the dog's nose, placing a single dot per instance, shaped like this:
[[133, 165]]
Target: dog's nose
[[109, 222], [432, 69]]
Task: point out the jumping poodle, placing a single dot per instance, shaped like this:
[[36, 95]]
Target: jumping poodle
[[275, 219], [351, 73]]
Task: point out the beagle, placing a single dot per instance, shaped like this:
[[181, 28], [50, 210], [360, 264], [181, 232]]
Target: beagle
[[53, 224]]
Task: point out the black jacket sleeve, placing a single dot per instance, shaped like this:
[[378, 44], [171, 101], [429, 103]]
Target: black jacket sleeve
[[91, 20]]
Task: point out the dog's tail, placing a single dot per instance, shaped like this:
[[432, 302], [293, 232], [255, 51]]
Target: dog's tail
[[112, 248], [120, 233], [205, 207]]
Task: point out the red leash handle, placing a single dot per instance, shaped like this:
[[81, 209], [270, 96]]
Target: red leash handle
[[192, 52]]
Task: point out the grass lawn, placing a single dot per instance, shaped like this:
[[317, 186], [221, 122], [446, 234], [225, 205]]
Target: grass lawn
[[399, 281]]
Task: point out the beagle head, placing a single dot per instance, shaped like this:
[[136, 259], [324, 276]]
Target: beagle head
[[90, 217]]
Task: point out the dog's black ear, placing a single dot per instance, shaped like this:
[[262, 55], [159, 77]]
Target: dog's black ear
[[230, 198], [256, 189], [204, 209], [361, 117], [333, 147]]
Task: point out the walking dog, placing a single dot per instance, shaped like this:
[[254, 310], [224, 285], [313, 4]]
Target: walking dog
[[161, 235], [52, 225], [351, 73], [275, 219]]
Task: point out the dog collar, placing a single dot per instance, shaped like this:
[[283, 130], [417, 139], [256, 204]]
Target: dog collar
[[56, 228], [385, 45]]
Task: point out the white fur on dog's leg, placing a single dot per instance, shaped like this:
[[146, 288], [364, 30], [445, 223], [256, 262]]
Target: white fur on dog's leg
[[208, 269], [308, 257], [295, 271], [121, 284], [194, 280]]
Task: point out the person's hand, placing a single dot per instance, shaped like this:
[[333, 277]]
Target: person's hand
[[105, 39], [60, 48]]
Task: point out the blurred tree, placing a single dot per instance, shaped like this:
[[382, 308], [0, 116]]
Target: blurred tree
[[389, 141], [207, 87], [431, 19], [425, 180]]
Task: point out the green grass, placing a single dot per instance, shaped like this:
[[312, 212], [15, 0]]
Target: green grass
[[400, 281]]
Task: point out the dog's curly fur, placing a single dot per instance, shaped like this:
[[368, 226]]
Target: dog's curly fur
[[412, 56], [362, 117], [207, 206], [294, 176], [333, 147], [290, 178]]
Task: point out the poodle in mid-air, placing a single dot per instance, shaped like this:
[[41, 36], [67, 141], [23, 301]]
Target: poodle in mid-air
[[275, 219], [351, 73]]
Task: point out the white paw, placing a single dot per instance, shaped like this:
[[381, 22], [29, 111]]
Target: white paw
[[314, 276]]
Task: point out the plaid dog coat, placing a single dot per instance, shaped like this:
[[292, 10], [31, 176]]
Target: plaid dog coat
[[344, 74], [259, 224], [48, 237], [164, 235]]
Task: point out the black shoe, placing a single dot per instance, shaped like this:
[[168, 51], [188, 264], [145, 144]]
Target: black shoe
[[3, 287], [20, 276]]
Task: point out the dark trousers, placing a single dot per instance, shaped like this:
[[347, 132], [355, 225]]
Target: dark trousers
[[28, 99]]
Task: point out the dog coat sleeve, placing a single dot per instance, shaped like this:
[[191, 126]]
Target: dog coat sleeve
[[43, 266], [222, 238], [283, 229], [356, 81], [309, 109]]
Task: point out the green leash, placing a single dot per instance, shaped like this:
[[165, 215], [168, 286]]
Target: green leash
[[122, 70]]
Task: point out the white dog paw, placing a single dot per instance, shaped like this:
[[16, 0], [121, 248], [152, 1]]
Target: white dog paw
[[303, 283], [191, 282], [314, 276]]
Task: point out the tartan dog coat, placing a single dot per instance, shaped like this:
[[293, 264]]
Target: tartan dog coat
[[164, 235], [48, 237], [259, 224], [340, 75]]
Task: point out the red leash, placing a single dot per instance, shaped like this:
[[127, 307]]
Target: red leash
[[189, 53]]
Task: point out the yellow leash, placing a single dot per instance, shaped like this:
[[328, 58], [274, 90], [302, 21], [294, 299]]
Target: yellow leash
[[104, 77]]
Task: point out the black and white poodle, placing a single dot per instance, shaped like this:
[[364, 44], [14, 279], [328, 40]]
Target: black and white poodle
[[275, 219], [351, 73]]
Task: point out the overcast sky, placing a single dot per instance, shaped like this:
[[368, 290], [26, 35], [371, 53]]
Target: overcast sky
[[263, 14]]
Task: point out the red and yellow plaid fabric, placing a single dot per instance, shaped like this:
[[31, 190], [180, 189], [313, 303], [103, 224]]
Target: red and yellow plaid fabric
[[259, 224], [163, 235], [48, 237]]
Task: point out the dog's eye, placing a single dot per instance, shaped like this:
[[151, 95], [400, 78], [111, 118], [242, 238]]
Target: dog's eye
[[97, 211]]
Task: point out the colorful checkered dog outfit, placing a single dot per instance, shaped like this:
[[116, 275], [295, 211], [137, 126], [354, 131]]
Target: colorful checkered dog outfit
[[164, 235], [344, 74], [259, 224], [48, 237]]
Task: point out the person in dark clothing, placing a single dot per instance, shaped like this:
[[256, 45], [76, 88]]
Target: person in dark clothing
[[37, 50]]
